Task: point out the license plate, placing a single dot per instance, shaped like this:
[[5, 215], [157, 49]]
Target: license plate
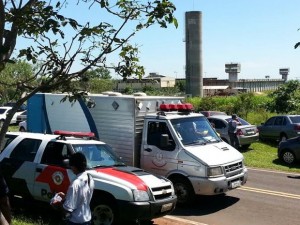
[[250, 132], [235, 184], [166, 207]]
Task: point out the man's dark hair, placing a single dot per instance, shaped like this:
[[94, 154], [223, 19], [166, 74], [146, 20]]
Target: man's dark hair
[[78, 160]]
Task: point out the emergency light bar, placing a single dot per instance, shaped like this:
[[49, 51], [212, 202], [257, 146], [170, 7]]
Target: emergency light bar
[[186, 107], [74, 134]]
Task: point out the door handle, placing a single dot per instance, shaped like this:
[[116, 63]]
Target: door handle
[[148, 149]]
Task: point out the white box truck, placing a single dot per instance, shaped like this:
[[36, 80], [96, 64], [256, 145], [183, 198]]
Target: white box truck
[[159, 134]]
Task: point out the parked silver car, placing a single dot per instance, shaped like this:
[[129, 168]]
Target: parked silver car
[[280, 128], [247, 133]]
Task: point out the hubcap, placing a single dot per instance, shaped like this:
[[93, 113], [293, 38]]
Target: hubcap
[[181, 192], [288, 157], [103, 215]]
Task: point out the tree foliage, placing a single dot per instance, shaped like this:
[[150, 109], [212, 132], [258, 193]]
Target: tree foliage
[[12, 77], [58, 44], [286, 99], [100, 73]]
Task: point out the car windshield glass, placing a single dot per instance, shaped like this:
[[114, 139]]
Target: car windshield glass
[[194, 131], [98, 155], [2, 111], [243, 122], [295, 119]]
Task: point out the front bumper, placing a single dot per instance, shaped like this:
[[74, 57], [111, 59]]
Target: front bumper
[[218, 185], [146, 210]]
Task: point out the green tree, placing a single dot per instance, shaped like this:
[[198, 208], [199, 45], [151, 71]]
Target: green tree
[[101, 85], [244, 104], [100, 73], [59, 43], [286, 99], [10, 76]]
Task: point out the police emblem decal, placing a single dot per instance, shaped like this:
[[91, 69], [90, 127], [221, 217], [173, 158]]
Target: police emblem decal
[[57, 178]]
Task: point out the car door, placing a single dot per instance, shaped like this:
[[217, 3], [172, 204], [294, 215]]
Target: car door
[[52, 173], [157, 159], [19, 167], [267, 129], [278, 127]]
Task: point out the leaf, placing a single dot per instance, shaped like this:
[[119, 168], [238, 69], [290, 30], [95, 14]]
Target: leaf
[[175, 22], [296, 45]]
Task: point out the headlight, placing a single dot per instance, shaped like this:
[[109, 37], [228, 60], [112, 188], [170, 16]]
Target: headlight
[[140, 196], [214, 171]]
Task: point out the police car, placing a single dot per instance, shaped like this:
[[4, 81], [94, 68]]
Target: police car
[[35, 167]]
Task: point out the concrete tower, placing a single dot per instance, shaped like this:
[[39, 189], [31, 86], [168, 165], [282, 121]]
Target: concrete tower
[[193, 48], [233, 69], [284, 72]]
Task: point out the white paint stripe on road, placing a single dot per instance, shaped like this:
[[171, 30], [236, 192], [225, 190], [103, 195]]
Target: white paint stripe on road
[[184, 221]]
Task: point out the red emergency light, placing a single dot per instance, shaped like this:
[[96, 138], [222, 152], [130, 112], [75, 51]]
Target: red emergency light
[[186, 107], [74, 134]]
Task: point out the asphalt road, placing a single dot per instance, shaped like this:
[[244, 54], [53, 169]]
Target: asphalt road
[[268, 198]]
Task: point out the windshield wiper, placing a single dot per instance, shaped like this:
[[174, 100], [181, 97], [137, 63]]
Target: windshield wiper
[[119, 164], [102, 166], [195, 143]]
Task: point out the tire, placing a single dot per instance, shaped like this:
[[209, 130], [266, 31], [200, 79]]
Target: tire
[[288, 157], [184, 190], [104, 211], [245, 147]]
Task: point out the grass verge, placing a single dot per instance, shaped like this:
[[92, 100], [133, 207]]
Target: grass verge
[[264, 155]]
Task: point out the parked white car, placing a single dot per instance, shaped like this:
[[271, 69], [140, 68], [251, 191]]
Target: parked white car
[[4, 110], [21, 116]]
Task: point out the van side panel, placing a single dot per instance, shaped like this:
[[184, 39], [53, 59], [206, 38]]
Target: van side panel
[[47, 113], [36, 114]]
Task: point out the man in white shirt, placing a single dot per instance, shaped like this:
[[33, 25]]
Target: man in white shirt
[[76, 203]]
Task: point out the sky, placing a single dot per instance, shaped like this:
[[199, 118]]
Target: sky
[[258, 34]]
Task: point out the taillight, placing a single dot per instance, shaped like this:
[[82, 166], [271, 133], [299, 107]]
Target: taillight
[[239, 132], [297, 127]]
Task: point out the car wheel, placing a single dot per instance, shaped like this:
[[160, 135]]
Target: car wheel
[[261, 138], [288, 157], [245, 147], [104, 211], [183, 190]]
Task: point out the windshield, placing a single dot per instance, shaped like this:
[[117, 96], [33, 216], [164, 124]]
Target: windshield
[[195, 131], [98, 155]]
